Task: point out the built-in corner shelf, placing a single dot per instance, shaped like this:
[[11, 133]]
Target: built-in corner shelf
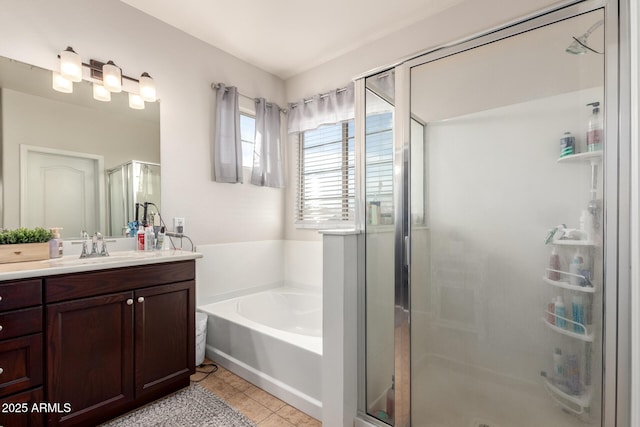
[[569, 242], [569, 286], [581, 157], [586, 337], [577, 404]]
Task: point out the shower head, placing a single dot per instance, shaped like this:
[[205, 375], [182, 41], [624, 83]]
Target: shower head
[[579, 45]]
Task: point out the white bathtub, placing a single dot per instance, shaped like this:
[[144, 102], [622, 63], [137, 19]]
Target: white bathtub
[[274, 340]]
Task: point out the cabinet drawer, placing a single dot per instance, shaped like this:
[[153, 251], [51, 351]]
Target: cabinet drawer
[[20, 322], [80, 285], [20, 364], [12, 407], [20, 294]]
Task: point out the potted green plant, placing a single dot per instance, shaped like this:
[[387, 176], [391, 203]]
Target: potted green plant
[[24, 244]]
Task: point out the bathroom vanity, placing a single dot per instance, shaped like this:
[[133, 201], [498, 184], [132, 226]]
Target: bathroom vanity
[[82, 341]]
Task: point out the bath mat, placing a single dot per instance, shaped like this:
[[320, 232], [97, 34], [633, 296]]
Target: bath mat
[[193, 407]]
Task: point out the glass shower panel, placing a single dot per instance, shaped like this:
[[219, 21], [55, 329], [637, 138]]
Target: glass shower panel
[[379, 237], [506, 261], [130, 183]]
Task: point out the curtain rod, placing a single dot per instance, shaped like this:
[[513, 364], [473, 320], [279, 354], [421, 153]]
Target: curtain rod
[[269, 104], [322, 95]]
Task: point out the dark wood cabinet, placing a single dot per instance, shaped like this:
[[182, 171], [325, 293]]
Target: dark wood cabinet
[[117, 339], [164, 353], [90, 355], [21, 355]]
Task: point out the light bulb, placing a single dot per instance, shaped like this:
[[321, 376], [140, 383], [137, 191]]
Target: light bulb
[[70, 65], [112, 77], [61, 84], [135, 101], [147, 88], [100, 93]]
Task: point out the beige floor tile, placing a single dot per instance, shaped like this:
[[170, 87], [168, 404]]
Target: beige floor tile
[[275, 421], [249, 407], [234, 380], [297, 418], [266, 399], [219, 387]]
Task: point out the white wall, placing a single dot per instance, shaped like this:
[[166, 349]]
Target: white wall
[[183, 68], [228, 270], [463, 20]]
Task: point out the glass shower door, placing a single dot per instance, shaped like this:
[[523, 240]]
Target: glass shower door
[[506, 230], [380, 245]]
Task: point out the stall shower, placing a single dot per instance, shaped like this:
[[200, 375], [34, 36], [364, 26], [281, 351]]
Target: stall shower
[[489, 189]]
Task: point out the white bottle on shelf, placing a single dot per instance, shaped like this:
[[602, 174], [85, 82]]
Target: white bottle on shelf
[[576, 268]]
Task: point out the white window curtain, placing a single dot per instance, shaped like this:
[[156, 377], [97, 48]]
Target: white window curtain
[[333, 107], [227, 144], [267, 153]]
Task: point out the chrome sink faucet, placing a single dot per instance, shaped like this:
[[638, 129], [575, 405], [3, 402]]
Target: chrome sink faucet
[[97, 237], [85, 246]]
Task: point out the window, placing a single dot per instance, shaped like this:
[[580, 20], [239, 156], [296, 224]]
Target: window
[[247, 136], [326, 179], [379, 168]]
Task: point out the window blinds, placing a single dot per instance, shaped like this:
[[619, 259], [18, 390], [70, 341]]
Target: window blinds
[[326, 166]]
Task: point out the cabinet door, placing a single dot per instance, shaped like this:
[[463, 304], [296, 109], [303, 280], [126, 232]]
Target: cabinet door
[[17, 410], [165, 337], [90, 356]]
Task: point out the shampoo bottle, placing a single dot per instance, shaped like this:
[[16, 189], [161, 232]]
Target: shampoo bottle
[[577, 314], [140, 236], [554, 264], [558, 367], [561, 313], [567, 144], [160, 240], [576, 269], [594, 128], [149, 238]]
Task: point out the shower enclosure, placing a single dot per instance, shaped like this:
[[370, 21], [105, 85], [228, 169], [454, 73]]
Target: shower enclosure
[[130, 183], [495, 230]]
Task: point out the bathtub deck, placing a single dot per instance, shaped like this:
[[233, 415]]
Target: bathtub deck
[[256, 404]]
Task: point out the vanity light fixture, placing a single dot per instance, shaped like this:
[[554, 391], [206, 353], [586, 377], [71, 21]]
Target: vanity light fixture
[[135, 101], [100, 93], [107, 78], [147, 88], [112, 77], [70, 65], [61, 84]]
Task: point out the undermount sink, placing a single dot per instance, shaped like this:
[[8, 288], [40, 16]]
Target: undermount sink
[[71, 260]]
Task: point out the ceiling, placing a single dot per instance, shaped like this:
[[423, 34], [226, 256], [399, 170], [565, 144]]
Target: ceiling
[[286, 37]]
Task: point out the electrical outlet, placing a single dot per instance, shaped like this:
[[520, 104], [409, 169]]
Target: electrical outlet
[[178, 225]]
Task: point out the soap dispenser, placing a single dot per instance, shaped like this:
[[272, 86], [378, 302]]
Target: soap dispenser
[[55, 244], [594, 128]]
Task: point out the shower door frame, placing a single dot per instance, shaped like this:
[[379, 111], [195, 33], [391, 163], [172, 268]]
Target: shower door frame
[[616, 346]]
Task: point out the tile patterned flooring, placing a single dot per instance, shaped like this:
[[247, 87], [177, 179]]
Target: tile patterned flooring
[[256, 404]]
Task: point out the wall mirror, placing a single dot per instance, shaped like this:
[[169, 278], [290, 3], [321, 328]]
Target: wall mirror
[[58, 150]]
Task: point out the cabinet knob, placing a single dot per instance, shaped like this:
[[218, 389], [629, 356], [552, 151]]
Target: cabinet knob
[[140, 299], [0, 298], [1, 370], [1, 328], [129, 301]]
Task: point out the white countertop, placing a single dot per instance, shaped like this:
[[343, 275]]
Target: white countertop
[[75, 264]]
